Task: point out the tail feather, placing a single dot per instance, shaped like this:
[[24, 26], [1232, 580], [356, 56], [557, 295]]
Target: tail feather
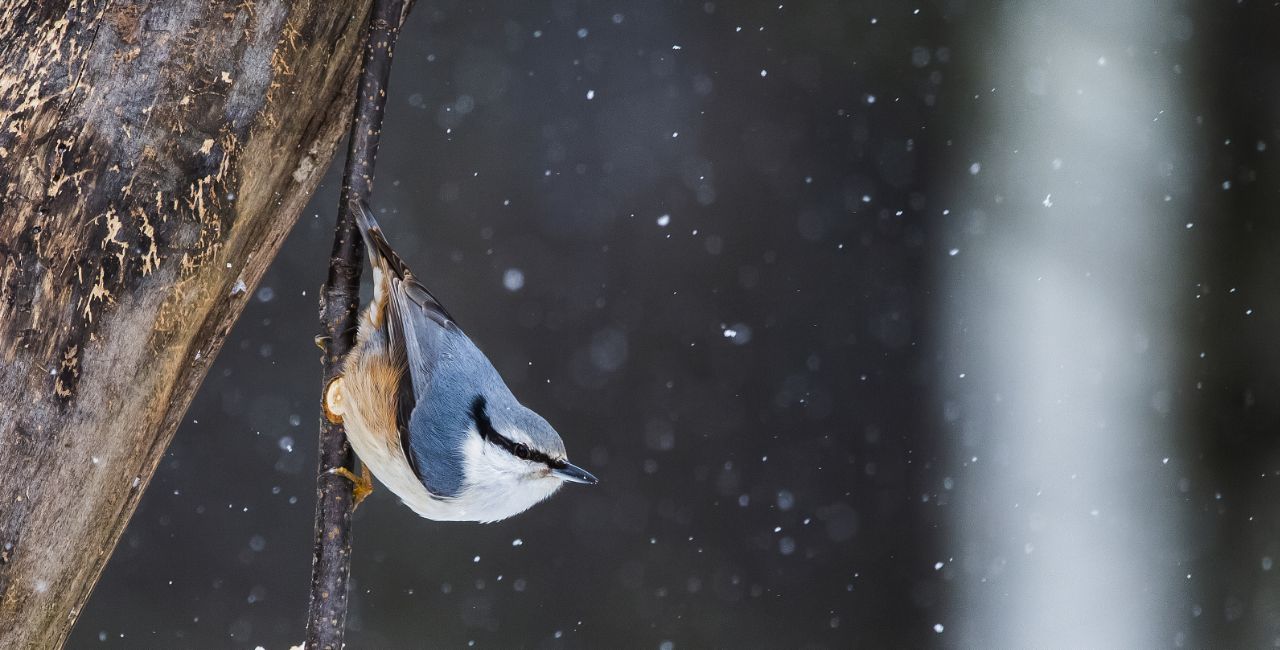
[[388, 268], [380, 252]]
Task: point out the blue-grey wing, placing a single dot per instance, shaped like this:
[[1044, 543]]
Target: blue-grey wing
[[419, 331], [420, 325], [416, 317], [439, 385]]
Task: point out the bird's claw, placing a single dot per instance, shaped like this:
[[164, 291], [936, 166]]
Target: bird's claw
[[362, 485]]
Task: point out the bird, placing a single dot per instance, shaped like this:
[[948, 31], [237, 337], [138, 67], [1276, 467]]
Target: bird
[[428, 414]]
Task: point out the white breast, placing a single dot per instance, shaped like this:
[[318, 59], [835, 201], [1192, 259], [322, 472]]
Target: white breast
[[497, 485], [382, 453]]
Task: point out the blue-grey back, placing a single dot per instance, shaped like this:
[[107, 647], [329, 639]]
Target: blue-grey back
[[442, 418], [452, 379]]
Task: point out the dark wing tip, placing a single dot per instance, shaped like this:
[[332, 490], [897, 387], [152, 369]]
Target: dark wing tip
[[423, 299], [409, 286], [376, 240]]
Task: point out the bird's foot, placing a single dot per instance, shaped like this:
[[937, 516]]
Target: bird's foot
[[362, 485], [333, 401]]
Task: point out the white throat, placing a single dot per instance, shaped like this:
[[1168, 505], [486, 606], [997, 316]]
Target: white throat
[[498, 485]]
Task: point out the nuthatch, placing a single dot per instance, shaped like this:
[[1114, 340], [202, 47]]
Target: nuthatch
[[428, 413]]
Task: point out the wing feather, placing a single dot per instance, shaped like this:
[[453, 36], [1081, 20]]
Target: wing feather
[[415, 326]]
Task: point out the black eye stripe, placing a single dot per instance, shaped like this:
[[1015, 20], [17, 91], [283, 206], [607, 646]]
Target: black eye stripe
[[517, 449]]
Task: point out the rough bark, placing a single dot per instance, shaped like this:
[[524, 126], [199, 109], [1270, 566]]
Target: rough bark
[[152, 158], [339, 304]]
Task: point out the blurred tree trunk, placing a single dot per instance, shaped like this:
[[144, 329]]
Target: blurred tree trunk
[[152, 158]]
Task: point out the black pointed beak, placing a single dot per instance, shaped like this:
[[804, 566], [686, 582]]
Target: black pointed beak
[[574, 474]]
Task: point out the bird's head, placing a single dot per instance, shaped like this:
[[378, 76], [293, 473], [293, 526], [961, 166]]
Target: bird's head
[[512, 459]]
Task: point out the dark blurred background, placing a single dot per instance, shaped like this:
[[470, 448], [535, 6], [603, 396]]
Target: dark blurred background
[[883, 324]]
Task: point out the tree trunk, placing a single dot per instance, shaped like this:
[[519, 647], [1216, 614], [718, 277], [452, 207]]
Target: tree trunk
[[152, 158]]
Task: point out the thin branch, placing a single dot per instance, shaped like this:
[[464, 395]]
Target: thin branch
[[339, 305]]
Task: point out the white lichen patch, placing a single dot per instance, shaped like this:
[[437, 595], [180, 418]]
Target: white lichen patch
[[306, 167]]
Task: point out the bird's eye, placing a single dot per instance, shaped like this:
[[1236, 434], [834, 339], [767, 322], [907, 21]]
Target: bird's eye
[[486, 430]]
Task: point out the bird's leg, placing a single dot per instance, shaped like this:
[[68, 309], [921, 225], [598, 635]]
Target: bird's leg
[[332, 404], [362, 485]]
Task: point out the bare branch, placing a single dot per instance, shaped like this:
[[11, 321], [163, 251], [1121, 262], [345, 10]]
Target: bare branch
[[339, 303]]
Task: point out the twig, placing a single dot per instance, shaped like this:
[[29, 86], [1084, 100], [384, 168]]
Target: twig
[[339, 305]]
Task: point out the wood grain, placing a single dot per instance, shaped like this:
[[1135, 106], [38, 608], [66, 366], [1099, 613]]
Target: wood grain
[[152, 158]]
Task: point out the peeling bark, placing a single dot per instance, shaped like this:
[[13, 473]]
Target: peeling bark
[[152, 158]]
